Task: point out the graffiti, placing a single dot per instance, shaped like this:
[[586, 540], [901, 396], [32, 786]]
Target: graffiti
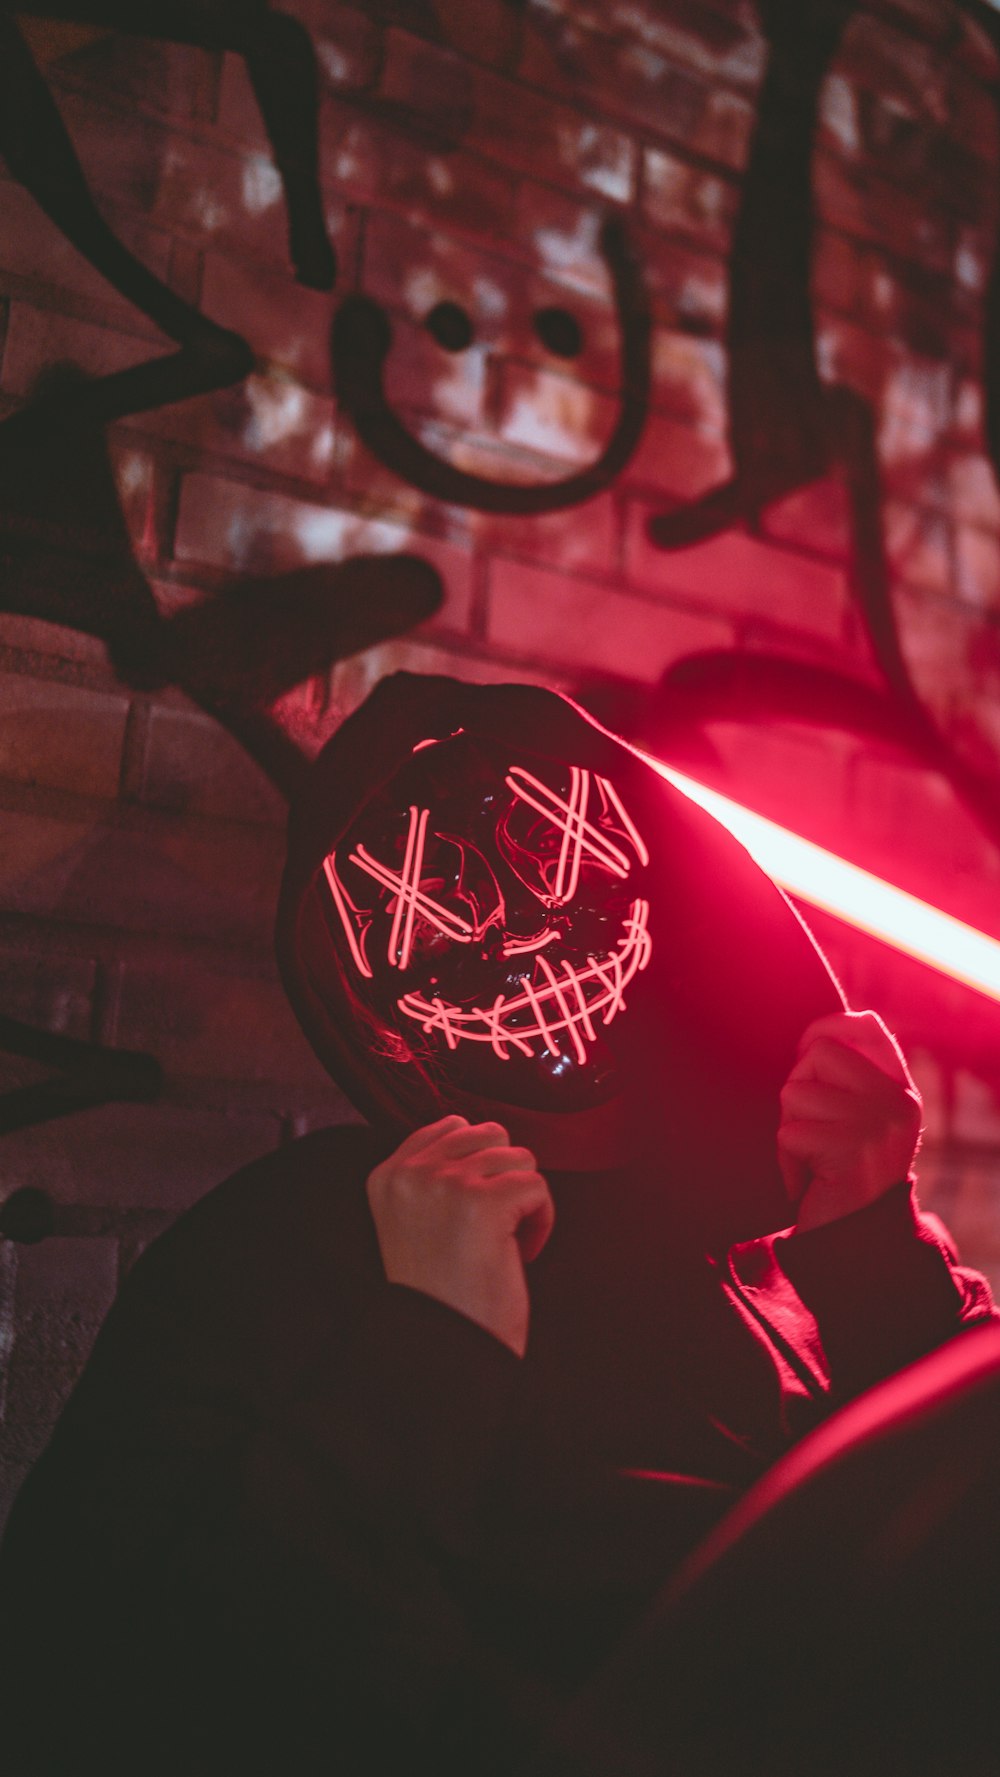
[[778, 419], [787, 428], [39, 152], [362, 340], [87, 1075], [240, 650], [236, 653]]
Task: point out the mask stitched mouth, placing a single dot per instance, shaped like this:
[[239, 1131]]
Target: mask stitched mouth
[[546, 1006]]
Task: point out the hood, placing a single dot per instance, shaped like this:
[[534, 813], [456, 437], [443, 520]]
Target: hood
[[703, 1040]]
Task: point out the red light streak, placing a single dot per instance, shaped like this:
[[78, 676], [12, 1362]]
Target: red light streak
[[855, 895]]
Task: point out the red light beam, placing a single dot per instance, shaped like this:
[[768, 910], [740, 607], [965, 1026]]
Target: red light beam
[[853, 894]]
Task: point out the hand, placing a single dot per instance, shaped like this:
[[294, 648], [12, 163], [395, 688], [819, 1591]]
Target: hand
[[458, 1213], [850, 1118]]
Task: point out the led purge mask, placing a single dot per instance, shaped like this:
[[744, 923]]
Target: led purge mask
[[489, 910]]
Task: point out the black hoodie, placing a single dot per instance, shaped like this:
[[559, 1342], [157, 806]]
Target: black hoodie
[[296, 1518]]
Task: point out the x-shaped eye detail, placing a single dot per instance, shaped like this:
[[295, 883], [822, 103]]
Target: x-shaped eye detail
[[410, 898], [578, 833]]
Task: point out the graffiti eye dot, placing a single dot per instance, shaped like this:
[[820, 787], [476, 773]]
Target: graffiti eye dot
[[559, 332], [450, 326]]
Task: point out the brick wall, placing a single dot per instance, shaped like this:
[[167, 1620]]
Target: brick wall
[[468, 154]]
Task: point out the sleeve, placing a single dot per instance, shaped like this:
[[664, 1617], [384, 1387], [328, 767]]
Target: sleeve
[[883, 1287], [274, 1590]]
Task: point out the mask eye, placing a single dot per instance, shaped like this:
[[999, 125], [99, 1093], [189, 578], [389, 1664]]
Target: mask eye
[[559, 332], [450, 326]]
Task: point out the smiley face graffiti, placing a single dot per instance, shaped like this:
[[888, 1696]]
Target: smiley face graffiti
[[362, 341]]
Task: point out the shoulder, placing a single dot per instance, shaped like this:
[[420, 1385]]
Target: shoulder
[[245, 1286]]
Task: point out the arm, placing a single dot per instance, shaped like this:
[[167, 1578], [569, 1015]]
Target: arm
[[878, 1280], [256, 1566]]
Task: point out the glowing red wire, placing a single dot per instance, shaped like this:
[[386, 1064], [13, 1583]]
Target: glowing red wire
[[613, 973]]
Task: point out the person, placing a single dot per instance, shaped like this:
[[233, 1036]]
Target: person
[[389, 1443]]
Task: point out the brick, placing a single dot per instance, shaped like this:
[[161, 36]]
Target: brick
[[214, 1023], [904, 70], [719, 38], [918, 545], [972, 490], [684, 199], [689, 379], [134, 472], [161, 875], [976, 1112], [287, 325], [129, 1156], [915, 405], [81, 1275], [148, 73], [60, 735], [368, 159], [736, 573], [559, 235], [895, 808], [354, 679], [964, 1190], [875, 210], [645, 89], [191, 765], [553, 416], [933, 1086], [39, 338], [938, 639], [420, 375], [411, 270], [348, 53], [52, 643], [225, 524], [426, 87], [268, 421], [550, 141], [787, 772], [816, 517], [977, 566], [689, 289], [52, 994], [184, 183], [577, 623], [64, 1288], [675, 460], [33, 248], [585, 537]]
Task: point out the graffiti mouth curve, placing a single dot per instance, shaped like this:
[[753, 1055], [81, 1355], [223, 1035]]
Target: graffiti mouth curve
[[362, 339], [565, 1001]]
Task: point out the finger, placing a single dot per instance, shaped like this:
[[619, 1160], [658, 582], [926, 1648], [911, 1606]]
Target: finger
[[805, 1137], [534, 1230], [841, 1065], [535, 1212], [528, 1201], [816, 1099], [474, 1137], [865, 1033], [495, 1161], [429, 1132]]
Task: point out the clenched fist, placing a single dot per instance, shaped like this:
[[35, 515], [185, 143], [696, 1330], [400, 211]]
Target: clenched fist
[[850, 1118], [458, 1213]]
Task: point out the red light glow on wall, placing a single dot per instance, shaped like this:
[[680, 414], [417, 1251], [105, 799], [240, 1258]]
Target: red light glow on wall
[[853, 894]]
